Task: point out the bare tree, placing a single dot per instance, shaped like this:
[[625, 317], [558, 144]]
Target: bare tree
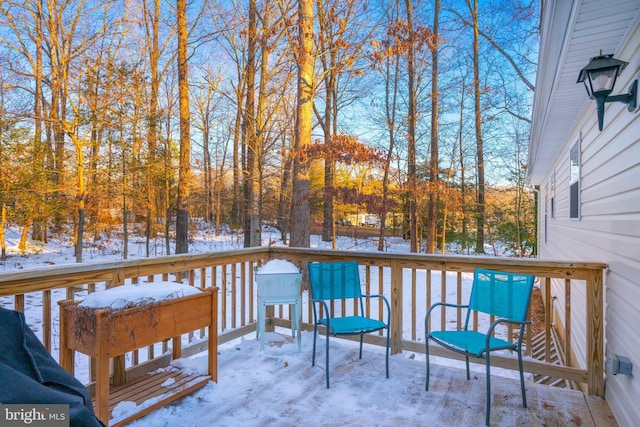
[[480, 190], [252, 147], [300, 211], [184, 175], [433, 162], [234, 44], [151, 19], [342, 33], [205, 105], [412, 177], [386, 60]]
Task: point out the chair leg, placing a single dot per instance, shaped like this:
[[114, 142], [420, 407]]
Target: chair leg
[[467, 360], [315, 334], [524, 394], [327, 359], [261, 323], [488, 390], [361, 338], [426, 340], [297, 307], [387, 362]]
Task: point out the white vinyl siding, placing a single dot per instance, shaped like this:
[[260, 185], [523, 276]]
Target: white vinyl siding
[[608, 225], [608, 231]]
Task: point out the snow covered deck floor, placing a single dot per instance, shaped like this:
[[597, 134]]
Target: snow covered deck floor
[[280, 388]]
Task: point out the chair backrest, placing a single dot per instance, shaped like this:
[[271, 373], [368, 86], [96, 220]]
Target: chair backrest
[[502, 294], [334, 280]]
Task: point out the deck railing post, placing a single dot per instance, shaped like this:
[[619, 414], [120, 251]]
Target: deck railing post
[[396, 307], [119, 364], [117, 277], [595, 333], [213, 336]]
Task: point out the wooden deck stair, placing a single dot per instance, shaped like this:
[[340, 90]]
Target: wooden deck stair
[[556, 357]]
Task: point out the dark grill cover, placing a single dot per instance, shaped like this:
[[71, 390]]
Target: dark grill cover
[[29, 375]]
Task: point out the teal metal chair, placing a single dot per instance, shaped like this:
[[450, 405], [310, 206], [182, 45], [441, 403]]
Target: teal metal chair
[[331, 281], [503, 295]]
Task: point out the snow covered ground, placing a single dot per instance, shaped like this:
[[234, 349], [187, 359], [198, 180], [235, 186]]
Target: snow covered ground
[[59, 250]]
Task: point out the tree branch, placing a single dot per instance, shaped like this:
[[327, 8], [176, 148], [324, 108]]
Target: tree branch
[[499, 49]]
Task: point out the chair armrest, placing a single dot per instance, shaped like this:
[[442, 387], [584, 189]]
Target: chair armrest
[[438, 304], [386, 302], [316, 317], [508, 321]]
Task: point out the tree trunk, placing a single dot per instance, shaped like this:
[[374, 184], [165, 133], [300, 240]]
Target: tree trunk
[[391, 96], [3, 222], [284, 200], [412, 178], [80, 200], [260, 127], [236, 207], [300, 211], [40, 225], [463, 183], [125, 208], [329, 172], [251, 183], [325, 41], [22, 245], [152, 126], [433, 164], [219, 184], [166, 177], [480, 196], [56, 115], [208, 171], [184, 173], [167, 190]]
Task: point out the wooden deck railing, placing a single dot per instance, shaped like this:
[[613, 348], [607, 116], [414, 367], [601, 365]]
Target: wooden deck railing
[[411, 282]]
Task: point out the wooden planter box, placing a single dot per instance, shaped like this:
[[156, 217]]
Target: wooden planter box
[[103, 334]]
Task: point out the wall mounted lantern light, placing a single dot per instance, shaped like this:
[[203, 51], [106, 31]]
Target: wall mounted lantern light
[[599, 77]]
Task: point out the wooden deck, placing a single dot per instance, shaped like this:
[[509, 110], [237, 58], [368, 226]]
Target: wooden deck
[[412, 282], [285, 390]]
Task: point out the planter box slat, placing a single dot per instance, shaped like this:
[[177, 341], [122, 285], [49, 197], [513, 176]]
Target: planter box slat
[[148, 394]]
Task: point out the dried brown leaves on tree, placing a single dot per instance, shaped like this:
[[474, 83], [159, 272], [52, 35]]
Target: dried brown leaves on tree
[[399, 41], [348, 150], [344, 149]]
